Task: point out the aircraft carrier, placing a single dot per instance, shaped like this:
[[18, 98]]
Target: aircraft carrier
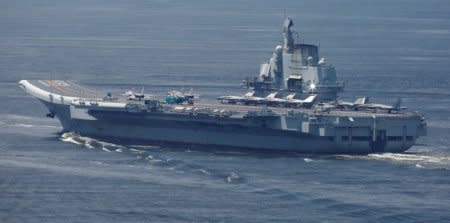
[[291, 105]]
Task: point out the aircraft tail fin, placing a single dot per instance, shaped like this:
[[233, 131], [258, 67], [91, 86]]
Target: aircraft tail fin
[[310, 99], [361, 100], [249, 94], [397, 104]]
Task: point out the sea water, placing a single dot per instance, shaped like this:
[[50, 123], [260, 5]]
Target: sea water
[[381, 49]]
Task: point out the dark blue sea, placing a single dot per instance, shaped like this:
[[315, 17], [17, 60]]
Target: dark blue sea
[[383, 49]]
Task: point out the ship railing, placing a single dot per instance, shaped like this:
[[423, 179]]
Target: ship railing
[[199, 111], [338, 84]]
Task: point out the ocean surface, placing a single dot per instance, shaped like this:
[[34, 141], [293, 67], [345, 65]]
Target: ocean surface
[[383, 49]]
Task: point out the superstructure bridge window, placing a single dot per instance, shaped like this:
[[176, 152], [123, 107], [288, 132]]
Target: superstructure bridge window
[[356, 138], [395, 138], [361, 138], [295, 82]]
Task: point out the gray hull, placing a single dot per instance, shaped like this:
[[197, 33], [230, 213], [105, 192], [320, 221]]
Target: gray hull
[[167, 129]]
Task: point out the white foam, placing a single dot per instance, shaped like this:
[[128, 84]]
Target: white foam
[[49, 126], [156, 161], [411, 158], [68, 137], [24, 125], [204, 171], [419, 160], [144, 147], [232, 177], [107, 144], [137, 151], [97, 162], [88, 145], [89, 142]]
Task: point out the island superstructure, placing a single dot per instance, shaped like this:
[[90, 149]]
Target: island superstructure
[[291, 105], [295, 70]]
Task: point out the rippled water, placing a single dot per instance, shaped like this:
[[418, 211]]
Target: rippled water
[[382, 49]]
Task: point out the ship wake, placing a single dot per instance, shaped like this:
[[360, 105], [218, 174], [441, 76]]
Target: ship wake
[[169, 160], [90, 143], [419, 160]]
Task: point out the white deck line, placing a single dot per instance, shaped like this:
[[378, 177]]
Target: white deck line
[[45, 95]]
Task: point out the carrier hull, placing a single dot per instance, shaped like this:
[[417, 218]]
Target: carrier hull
[[157, 129]]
